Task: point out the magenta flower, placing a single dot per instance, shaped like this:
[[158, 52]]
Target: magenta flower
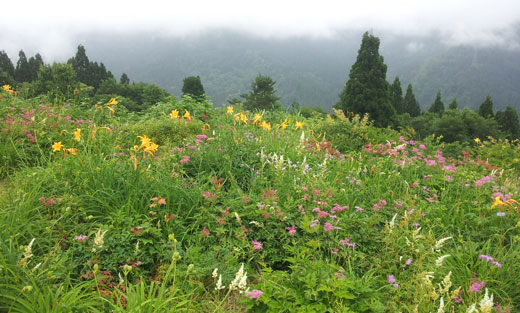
[[185, 159], [482, 181], [391, 279], [291, 230], [257, 245], [81, 238], [339, 274], [254, 294], [201, 137], [477, 286], [408, 262]]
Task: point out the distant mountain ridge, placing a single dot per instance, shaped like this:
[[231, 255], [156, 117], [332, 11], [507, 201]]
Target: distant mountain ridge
[[311, 71]]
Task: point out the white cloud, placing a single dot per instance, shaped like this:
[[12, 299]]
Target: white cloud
[[52, 27]]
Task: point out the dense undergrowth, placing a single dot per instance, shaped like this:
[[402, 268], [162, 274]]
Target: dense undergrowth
[[231, 211]]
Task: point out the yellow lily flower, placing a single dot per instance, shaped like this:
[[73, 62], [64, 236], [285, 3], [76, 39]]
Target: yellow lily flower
[[77, 135], [174, 114], [187, 115], [257, 118], [6, 87], [57, 146], [298, 125], [112, 101], [229, 110], [145, 141]]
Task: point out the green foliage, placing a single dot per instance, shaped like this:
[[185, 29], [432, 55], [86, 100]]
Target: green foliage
[[6, 70], [22, 72], [437, 106], [192, 86], [366, 91], [411, 106], [89, 73], [396, 96], [262, 96], [486, 108], [453, 105], [124, 80], [309, 112], [508, 122], [57, 81]]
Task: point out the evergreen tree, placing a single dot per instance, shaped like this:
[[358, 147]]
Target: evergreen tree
[[262, 97], [6, 65], [22, 72], [81, 65], [366, 91], [34, 64], [486, 108], [508, 122], [124, 80], [396, 95], [453, 105], [438, 105], [410, 104], [193, 86]]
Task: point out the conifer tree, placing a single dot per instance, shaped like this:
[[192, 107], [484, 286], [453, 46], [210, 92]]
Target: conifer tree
[[508, 122], [396, 95], [6, 64], [22, 72], [411, 106], [34, 64], [437, 105], [124, 80], [486, 108], [453, 105], [193, 86], [80, 63], [366, 91], [262, 97]]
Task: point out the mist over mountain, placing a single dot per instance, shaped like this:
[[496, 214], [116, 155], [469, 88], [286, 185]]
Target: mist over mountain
[[310, 70]]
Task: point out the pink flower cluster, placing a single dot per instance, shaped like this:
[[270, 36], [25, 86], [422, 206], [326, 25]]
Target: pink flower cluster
[[257, 245], [47, 202], [81, 238], [490, 259], [338, 208], [379, 205], [328, 227], [254, 294], [291, 230], [482, 181], [346, 242]]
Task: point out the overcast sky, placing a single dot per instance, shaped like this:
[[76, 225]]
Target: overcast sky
[[52, 27]]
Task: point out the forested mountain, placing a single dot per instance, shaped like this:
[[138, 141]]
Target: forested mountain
[[311, 71]]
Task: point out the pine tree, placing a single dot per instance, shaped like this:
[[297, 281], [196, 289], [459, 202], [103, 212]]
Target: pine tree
[[486, 108], [124, 80], [81, 65], [508, 122], [6, 69], [411, 106], [396, 95], [34, 64], [193, 86], [366, 91], [438, 105], [262, 97], [22, 72], [453, 105]]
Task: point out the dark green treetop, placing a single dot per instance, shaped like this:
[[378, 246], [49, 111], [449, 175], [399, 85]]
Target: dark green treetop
[[366, 91], [410, 104], [6, 69], [193, 86], [396, 96], [453, 105], [124, 80], [35, 63], [508, 122], [437, 105], [22, 72], [486, 108], [262, 96]]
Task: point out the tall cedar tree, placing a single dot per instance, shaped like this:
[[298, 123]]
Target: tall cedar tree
[[124, 80], [6, 69], [508, 122], [366, 91], [22, 72], [262, 97], [486, 108], [410, 104], [438, 105], [193, 86], [396, 95], [453, 105], [34, 65], [89, 73]]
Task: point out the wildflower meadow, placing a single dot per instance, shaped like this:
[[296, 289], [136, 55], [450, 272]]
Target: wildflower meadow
[[188, 208]]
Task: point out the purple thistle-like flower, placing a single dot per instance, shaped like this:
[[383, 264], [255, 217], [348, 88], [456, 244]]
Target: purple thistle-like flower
[[391, 279]]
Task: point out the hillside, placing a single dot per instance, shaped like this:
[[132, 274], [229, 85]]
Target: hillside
[[311, 71]]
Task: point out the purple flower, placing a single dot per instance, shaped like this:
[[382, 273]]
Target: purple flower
[[257, 245], [254, 294], [408, 262], [391, 279], [81, 238], [501, 214]]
